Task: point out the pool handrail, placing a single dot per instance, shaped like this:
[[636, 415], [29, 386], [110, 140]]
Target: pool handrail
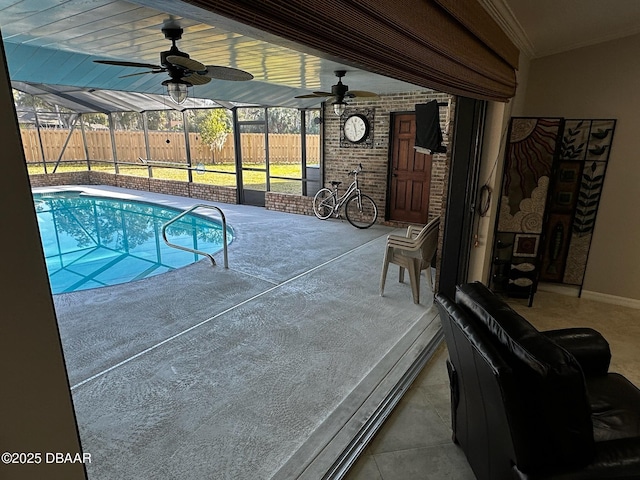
[[193, 250]]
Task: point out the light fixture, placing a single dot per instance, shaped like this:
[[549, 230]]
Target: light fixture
[[177, 90], [339, 107]]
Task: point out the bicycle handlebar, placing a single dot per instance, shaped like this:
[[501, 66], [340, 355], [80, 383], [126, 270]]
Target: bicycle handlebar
[[358, 169]]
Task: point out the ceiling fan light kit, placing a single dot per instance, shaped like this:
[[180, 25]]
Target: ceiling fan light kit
[[340, 92], [177, 91], [339, 108], [184, 72]]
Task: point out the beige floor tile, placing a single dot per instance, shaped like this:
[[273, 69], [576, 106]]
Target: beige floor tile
[[414, 423], [435, 371], [441, 462], [364, 469], [415, 442]]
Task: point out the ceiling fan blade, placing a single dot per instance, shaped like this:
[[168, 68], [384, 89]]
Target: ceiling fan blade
[[196, 79], [316, 95], [128, 64], [185, 62], [361, 93], [309, 95], [142, 73], [225, 73]]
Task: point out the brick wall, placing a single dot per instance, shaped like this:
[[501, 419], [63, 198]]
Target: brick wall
[[375, 161], [52, 179], [104, 178], [168, 187], [211, 193], [284, 202]]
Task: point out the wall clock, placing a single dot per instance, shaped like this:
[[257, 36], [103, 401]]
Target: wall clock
[[357, 128]]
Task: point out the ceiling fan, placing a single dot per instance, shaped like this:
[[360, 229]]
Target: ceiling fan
[[183, 71], [340, 92]]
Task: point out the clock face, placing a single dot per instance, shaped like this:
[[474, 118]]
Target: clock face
[[356, 128]]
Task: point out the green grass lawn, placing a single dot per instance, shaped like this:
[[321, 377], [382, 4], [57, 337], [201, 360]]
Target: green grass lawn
[[224, 174]]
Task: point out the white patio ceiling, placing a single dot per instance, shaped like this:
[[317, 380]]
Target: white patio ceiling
[[54, 42]]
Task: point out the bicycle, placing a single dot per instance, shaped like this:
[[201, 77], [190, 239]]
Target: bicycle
[[360, 209]]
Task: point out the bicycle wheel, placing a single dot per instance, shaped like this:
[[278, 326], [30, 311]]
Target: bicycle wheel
[[324, 203], [361, 213]]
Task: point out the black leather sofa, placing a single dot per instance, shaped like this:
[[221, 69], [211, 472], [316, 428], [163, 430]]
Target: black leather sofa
[[535, 405]]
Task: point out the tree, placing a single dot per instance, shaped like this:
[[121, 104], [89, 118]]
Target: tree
[[215, 128], [284, 120]]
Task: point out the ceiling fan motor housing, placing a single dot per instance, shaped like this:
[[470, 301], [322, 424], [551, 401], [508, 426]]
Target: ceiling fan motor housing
[[339, 90], [172, 33], [173, 51]]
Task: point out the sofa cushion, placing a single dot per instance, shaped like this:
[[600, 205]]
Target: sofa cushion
[[614, 405], [550, 413], [477, 372], [587, 346], [513, 331]]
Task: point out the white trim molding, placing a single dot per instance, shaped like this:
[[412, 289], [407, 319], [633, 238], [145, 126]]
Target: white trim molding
[[506, 19], [613, 299], [568, 290], [574, 291]]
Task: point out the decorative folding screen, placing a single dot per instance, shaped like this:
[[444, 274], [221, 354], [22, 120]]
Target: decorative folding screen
[[553, 176], [573, 203]]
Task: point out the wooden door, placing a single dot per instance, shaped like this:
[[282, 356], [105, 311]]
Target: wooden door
[[410, 183]]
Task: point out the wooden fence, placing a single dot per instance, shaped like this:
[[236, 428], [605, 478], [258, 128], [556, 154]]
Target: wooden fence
[[164, 146]]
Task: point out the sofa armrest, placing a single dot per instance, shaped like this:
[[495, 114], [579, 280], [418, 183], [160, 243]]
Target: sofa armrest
[[588, 346], [618, 458]]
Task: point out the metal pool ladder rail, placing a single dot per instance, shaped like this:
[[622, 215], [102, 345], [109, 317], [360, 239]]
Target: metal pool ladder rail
[[193, 250]]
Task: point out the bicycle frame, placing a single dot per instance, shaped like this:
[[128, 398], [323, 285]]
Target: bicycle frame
[[328, 203], [341, 200]]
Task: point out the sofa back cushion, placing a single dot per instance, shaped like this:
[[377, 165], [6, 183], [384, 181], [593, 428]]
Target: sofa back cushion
[[477, 372], [549, 408]]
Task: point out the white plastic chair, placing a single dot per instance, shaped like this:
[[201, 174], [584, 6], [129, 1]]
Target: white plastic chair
[[413, 252]]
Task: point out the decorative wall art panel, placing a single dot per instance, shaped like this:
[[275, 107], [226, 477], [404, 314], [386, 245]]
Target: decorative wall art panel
[[531, 150], [556, 245], [577, 259], [522, 278], [566, 186], [589, 197], [530, 153], [526, 245], [597, 136], [553, 179], [529, 214], [587, 139], [575, 140], [600, 137]]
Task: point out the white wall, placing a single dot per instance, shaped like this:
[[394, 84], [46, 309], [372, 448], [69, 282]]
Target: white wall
[[491, 167], [37, 413], [602, 82]]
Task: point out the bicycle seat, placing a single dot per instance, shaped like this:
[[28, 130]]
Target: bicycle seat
[[335, 184]]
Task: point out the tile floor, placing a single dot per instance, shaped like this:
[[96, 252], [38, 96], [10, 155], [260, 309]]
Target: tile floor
[[415, 441]]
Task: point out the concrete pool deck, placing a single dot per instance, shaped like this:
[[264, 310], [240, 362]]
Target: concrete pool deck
[[265, 370]]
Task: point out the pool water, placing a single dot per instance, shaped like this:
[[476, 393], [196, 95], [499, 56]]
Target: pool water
[[92, 242]]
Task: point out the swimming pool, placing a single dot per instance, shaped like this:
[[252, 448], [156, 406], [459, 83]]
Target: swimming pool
[[92, 242]]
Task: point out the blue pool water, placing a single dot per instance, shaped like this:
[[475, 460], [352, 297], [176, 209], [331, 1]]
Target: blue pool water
[[92, 242]]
